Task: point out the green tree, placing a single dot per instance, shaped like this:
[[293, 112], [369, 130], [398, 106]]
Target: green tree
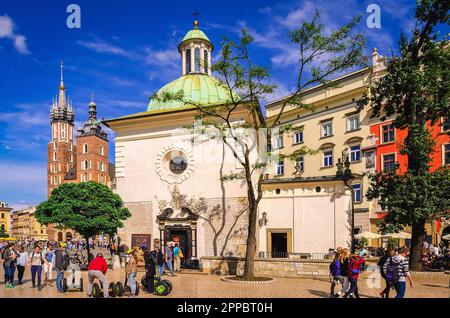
[[88, 208], [415, 91], [322, 56]]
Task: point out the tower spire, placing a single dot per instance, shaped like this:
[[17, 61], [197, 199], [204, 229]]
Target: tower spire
[[62, 103], [92, 109]]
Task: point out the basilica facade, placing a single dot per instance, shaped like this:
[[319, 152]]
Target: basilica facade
[[71, 160], [175, 189]]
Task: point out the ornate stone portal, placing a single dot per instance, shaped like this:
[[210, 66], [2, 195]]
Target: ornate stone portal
[[178, 223]]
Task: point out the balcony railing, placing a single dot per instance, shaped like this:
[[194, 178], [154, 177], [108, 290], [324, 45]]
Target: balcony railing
[[286, 255]]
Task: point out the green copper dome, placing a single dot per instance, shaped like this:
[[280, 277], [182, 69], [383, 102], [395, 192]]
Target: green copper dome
[[197, 88], [195, 34]]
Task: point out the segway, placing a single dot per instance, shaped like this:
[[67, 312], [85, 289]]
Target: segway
[[73, 280], [122, 289], [163, 287], [97, 290]]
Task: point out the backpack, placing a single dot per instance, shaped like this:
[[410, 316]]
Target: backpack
[[335, 268], [354, 270], [42, 260], [392, 274]]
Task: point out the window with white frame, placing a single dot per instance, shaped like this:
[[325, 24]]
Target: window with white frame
[[85, 148], [298, 137], [353, 123], [327, 129], [85, 165], [54, 156], [101, 151], [355, 153], [63, 131], [280, 168], [357, 193], [278, 142], [300, 164], [328, 158], [387, 133], [447, 154], [55, 145]]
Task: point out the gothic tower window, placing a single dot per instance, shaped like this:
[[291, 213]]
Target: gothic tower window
[[85, 148], [63, 131], [101, 151], [54, 156], [55, 145], [188, 61], [197, 60], [85, 165]]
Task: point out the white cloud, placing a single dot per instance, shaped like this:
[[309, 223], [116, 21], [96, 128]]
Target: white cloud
[[28, 179], [6, 27], [20, 44], [7, 31], [104, 47]]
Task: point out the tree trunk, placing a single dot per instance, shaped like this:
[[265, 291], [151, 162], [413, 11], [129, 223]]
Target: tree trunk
[[88, 249], [251, 242], [417, 238]]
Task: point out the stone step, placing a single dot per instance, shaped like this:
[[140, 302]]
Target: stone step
[[191, 271]]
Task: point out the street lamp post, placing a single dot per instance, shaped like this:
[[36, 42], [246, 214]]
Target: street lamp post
[[346, 175]]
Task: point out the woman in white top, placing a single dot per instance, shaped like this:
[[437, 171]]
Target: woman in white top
[[36, 260], [21, 262]]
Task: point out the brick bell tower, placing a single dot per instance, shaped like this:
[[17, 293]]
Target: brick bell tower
[[61, 151], [92, 150]]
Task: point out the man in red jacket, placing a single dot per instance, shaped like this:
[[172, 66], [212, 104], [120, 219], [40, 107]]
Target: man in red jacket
[[97, 269]]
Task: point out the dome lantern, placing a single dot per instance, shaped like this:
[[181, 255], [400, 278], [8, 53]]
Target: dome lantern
[[195, 50]]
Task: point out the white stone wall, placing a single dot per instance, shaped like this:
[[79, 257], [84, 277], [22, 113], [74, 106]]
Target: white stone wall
[[318, 221]]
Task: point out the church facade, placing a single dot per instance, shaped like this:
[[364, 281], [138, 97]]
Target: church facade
[[175, 190], [71, 160]]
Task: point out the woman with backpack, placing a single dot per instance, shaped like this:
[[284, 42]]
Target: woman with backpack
[[387, 254], [335, 272], [8, 257], [354, 270], [36, 260]]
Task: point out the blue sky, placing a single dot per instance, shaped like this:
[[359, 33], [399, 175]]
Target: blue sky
[[125, 51]]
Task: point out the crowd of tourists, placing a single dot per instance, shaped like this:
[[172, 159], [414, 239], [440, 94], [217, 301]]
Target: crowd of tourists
[[346, 269], [156, 262], [45, 257]]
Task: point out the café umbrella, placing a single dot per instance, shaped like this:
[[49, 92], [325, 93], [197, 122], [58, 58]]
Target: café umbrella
[[367, 235], [399, 235]]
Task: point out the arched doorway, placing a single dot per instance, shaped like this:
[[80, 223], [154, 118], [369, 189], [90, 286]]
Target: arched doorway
[[60, 236], [68, 236]]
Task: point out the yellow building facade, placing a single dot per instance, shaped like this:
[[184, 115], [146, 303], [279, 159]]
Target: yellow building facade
[[5, 220]]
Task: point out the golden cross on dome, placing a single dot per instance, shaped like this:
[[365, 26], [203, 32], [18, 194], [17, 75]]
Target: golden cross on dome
[[195, 14]]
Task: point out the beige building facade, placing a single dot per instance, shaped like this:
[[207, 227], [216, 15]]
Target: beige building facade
[[27, 227], [332, 128]]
